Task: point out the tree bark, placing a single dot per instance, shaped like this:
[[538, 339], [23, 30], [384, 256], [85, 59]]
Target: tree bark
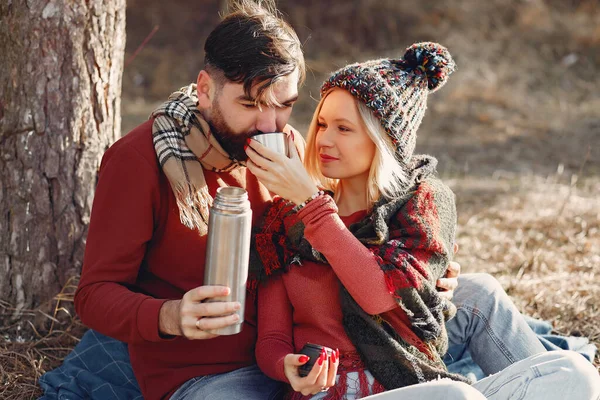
[[60, 88]]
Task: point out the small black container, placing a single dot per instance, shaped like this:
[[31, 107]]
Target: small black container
[[313, 351]]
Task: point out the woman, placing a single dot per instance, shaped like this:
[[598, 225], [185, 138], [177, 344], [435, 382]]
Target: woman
[[353, 267]]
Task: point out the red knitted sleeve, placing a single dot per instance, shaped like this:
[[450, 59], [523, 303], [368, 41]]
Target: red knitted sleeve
[[353, 263], [275, 328], [121, 225]]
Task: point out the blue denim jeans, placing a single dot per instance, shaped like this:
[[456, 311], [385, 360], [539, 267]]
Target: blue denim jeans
[[488, 324], [247, 383], [443, 389], [554, 375]]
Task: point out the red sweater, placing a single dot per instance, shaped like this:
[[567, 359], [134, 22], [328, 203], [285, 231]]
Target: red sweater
[[303, 304], [138, 255]]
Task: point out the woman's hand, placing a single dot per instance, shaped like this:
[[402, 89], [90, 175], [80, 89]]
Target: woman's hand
[[281, 175], [321, 376]]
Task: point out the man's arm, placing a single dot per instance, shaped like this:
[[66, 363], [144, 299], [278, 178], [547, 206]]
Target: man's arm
[[448, 284], [121, 225]]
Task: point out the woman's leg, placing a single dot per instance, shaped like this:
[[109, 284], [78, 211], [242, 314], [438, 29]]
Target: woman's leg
[[489, 325], [444, 389], [552, 375]]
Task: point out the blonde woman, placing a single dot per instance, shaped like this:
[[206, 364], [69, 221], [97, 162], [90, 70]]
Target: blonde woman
[[351, 250]]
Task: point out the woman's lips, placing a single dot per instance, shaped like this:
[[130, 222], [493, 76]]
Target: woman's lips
[[326, 158]]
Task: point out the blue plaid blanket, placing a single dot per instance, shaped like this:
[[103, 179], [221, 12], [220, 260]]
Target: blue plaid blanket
[[99, 367]]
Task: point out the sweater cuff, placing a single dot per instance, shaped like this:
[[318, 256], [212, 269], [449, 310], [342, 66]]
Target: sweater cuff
[[147, 320], [280, 370], [317, 208]]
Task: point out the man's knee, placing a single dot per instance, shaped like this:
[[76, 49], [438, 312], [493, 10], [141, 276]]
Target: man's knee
[[578, 371], [478, 289], [480, 283]]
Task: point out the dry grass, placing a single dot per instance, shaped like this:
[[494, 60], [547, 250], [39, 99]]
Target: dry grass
[[541, 239], [24, 360]]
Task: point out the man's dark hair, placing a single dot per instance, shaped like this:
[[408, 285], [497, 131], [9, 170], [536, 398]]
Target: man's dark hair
[[253, 45]]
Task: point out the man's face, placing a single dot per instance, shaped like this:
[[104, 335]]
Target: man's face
[[234, 117]]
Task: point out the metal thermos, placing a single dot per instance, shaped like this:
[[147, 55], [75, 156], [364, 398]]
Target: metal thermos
[[228, 248]]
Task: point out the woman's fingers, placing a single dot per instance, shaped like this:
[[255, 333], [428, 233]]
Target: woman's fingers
[[334, 362], [321, 380], [321, 377], [257, 158], [257, 171], [293, 151], [264, 151]]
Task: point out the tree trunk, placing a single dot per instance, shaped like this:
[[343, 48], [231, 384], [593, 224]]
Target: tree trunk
[[60, 87]]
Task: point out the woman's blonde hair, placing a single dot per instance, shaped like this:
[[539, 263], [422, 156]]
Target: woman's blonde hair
[[386, 176]]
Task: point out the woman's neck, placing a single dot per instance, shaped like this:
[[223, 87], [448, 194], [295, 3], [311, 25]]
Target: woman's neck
[[353, 195]]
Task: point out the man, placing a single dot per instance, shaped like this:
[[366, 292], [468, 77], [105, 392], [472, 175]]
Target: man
[[142, 279]]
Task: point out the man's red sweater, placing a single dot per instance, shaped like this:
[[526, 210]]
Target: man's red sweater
[[138, 255]]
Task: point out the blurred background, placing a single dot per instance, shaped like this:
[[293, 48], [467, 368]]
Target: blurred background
[[525, 97], [516, 129]]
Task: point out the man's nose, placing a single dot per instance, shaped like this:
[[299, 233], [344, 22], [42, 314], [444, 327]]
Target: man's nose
[[267, 120]]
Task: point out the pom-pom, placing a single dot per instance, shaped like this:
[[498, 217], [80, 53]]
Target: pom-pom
[[430, 59]]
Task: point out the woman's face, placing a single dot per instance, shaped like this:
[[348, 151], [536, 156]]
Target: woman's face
[[344, 149]]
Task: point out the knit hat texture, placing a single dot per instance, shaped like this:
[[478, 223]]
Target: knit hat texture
[[396, 90]]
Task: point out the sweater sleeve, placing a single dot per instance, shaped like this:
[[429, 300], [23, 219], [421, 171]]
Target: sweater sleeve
[[275, 325], [352, 262], [121, 225]]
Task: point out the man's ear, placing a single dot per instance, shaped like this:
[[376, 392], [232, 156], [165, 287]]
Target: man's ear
[[205, 88]]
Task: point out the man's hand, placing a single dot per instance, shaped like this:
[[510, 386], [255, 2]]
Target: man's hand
[[449, 283], [191, 317]]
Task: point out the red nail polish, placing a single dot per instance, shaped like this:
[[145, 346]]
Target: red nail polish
[[333, 358], [321, 359], [337, 353], [248, 140], [245, 147], [303, 359]]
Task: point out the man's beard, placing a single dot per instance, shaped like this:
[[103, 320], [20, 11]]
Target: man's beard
[[233, 143]]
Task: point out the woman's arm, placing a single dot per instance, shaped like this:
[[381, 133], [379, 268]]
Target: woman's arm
[[422, 235], [275, 328], [353, 263]]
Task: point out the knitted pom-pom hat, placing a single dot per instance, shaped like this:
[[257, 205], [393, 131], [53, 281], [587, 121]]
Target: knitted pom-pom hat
[[396, 89]]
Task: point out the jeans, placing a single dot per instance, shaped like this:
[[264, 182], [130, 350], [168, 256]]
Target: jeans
[[443, 389], [488, 324], [247, 383], [547, 376], [554, 375]]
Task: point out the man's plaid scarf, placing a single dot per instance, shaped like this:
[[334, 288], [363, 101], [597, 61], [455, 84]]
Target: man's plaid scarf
[[412, 237], [184, 146]]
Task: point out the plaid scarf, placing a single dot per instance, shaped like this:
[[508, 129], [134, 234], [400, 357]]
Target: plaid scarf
[[185, 147], [411, 237]]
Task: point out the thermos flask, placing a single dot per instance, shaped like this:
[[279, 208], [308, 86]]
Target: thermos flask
[[228, 248]]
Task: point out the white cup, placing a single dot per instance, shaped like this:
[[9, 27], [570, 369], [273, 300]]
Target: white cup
[[276, 141]]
